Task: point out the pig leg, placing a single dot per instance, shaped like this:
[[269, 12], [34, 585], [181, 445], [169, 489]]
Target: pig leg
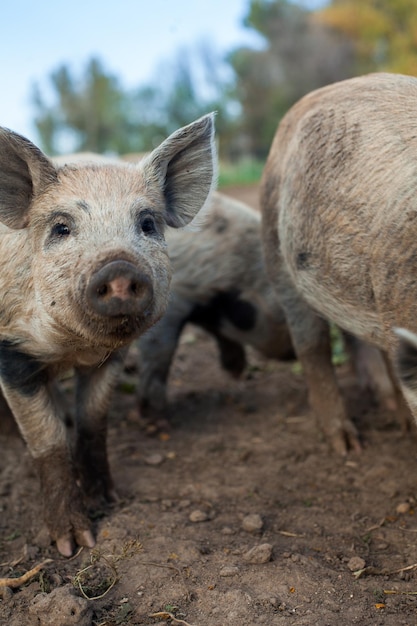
[[311, 338], [94, 391], [401, 406], [371, 367], [404, 360], [232, 355], [28, 391], [156, 352]]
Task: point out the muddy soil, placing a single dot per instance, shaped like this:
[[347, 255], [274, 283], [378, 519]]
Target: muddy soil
[[236, 515]]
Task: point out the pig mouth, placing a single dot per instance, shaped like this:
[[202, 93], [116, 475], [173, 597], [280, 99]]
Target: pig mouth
[[118, 329], [128, 326]]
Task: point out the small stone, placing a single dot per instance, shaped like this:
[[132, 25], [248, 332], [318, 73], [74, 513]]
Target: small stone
[[252, 523], [198, 516], [6, 593], [183, 504], [356, 563], [226, 530], [403, 507], [229, 571], [154, 459], [61, 606], [259, 554]]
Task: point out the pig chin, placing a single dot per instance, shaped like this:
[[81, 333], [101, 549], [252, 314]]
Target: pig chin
[[115, 331]]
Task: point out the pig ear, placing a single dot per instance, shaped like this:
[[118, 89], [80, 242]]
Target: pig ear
[[24, 172], [184, 167]]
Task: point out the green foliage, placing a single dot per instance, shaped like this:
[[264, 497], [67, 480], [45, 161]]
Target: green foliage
[[246, 171], [298, 50], [383, 33], [89, 113], [298, 54], [339, 355], [93, 112]]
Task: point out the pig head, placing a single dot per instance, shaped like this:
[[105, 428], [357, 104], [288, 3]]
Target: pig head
[[85, 270]]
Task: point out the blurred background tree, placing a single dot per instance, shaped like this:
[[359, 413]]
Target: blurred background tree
[[299, 54], [90, 113], [383, 32], [299, 49], [93, 112]]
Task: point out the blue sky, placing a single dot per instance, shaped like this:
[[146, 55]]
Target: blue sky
[[132, 37]]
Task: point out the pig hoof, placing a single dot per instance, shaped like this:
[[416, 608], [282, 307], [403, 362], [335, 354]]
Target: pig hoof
[[346, 441], [85, 538], [65, 544]]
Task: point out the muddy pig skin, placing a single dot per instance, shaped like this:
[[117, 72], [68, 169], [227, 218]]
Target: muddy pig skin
[[220, 284], [85, 270], [339, 203]]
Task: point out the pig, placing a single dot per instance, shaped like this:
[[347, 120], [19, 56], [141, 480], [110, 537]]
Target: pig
[[85, 271], [339, 208], [220, 284]]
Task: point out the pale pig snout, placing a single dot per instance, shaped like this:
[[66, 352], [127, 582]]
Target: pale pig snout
[[119, 288]]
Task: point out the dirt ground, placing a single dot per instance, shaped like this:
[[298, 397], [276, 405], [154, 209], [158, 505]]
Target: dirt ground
[[237, 515]]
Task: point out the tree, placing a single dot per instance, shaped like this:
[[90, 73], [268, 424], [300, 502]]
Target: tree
[[87, 114], [93, 112], [383, 32], [299, 54], [193, 83]]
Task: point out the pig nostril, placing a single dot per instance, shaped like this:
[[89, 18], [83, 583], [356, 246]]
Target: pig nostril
[[102, 290], [134, 289]]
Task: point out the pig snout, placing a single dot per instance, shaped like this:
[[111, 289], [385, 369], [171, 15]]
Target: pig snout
[[119, 288]]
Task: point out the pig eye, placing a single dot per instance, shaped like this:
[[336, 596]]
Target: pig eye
[[60, 230], [147, 224]]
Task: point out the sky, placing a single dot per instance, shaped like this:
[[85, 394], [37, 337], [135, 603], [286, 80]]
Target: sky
[[132, 38]]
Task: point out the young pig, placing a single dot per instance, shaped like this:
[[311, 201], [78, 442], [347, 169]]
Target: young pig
[[220, 284], [339, 201], [85, 270]]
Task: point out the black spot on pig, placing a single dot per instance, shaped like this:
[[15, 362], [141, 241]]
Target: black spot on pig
[[21, 371], [303, 260], [232, 356], [225, 305], [221, 225]]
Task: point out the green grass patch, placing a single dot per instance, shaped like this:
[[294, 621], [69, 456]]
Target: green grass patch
[[244, 172]]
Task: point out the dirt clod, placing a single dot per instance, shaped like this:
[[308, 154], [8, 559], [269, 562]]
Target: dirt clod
[[403, 508], [259, 554], [61, 606], [229, 571], [198, 516], [252, 523], [356, 563]]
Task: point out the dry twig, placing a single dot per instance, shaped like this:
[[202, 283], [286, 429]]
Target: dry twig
[[286, 533], [375, 571], [78, 578], [166, 615], [21, 580]]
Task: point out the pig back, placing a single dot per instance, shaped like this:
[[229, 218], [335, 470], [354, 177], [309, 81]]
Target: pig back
[[345, 162]]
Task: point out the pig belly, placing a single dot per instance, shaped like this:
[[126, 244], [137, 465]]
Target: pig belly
[[361, 321]]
